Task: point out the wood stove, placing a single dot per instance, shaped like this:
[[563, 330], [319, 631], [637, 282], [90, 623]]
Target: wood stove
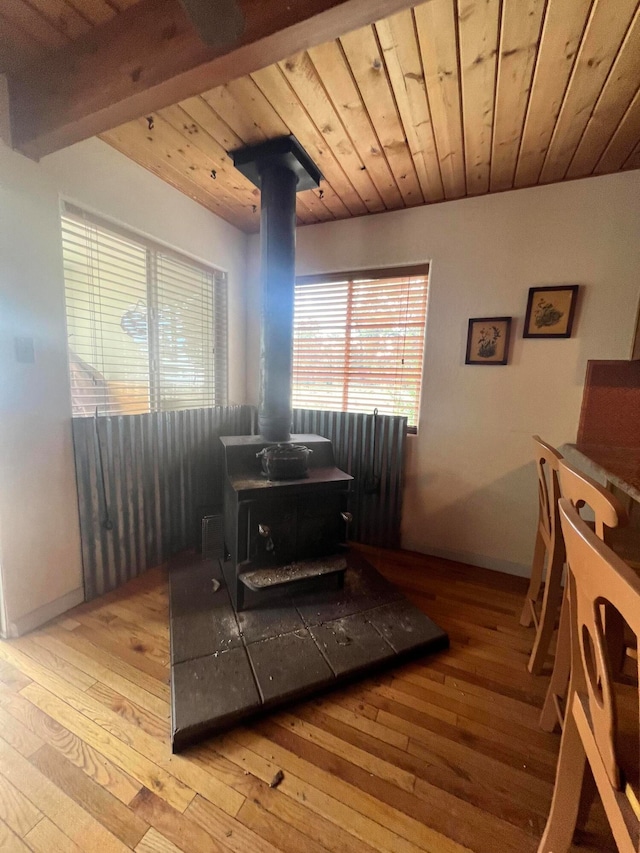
[[283, 536]]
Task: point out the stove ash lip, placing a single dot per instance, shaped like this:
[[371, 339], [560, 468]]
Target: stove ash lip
[[285, 461]]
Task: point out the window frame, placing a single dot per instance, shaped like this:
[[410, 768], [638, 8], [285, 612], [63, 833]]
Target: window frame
[[421, 270], [153, 248]]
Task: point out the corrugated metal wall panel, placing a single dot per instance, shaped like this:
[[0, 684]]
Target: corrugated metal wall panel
[[371, 449], [141, 480]]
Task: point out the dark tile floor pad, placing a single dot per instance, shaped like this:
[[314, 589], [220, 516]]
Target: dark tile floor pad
[[227, 667]]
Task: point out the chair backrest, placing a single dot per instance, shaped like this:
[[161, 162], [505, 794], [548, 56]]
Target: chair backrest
[[599, 577], [581, 490], [548, 486]]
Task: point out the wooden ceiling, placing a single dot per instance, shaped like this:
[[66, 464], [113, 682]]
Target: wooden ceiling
[[29, 28], [453, 98]]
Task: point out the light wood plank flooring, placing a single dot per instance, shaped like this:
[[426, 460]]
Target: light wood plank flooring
[[443, 755]]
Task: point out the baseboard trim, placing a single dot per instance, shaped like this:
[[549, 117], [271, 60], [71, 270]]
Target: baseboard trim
[[43, 614], [493, 563]]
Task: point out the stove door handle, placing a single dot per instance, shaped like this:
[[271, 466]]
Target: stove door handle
[[264, 530], [347, 517]]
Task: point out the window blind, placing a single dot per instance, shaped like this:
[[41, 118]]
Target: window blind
[[358, 343], [146, 326]]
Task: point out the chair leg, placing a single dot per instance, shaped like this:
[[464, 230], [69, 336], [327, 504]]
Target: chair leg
[[537, 569], [614, 631], [587, 799], [565, 805], [559, 684], [548, 614]]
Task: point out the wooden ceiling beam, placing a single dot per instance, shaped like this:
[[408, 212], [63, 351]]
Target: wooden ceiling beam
[[150, 57]]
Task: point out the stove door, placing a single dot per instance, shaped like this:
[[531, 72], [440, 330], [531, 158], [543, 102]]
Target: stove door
[[299, 526], [272, 531], [321, 528]]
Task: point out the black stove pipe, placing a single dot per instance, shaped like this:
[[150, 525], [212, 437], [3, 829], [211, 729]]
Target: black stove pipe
[[277, 257], [279, 168]]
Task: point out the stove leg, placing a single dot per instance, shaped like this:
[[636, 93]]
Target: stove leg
[[239, 596], [234, 586]]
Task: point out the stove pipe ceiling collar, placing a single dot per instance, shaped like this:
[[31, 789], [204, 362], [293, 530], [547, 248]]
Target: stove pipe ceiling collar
[[279, 168]]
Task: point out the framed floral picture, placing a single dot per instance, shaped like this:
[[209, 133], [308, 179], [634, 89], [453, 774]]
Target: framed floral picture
[[488, 340], [550, 311]]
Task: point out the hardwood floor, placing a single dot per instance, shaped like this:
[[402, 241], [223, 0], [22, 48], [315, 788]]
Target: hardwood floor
[[442, 755]]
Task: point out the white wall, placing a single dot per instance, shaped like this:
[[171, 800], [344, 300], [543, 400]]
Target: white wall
[[470, 491], [39, 538]]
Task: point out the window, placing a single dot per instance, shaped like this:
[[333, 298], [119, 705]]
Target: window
[[359, 341], [146, 326]]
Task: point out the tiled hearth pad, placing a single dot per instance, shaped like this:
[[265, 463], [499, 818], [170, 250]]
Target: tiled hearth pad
[[227, 667]]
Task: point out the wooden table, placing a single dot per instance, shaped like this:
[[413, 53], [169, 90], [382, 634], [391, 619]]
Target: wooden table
[[618, 469], [619, 466]]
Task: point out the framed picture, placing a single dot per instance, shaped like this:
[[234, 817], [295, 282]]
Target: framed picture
[[550, 311], [488, 340]]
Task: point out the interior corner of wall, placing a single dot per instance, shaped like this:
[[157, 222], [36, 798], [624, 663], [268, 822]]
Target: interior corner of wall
[[36, 618], [5, 116]]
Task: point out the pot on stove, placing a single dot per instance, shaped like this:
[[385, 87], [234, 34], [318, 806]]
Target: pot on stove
[[285, 461]]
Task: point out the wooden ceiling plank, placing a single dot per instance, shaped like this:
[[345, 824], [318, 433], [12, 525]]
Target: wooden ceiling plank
[[305, 214], [331, 65], [150, 56], [243, 99], [623, 141], [267, 124], [303, 79], [633, 161], [254, 103], [562, 31], [478, 25], [32, 22], [126, 139], [165, 143], [190, 144], [601, 42], [399, 44], [333, 201], [121, 5], [239, 120], [313, 201], [612, 104], [369, 71], [199, 156], [201, 112], [519, 40], [436, 28], [63, 17], [96, 12], [339, 194]]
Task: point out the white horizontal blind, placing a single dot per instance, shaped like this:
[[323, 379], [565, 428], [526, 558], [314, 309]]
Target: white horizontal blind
[[183, 313], [358, 344], [146, 327]]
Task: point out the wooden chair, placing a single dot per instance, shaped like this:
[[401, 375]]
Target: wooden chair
[[581, 491], [593, 730], [549, 552]]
